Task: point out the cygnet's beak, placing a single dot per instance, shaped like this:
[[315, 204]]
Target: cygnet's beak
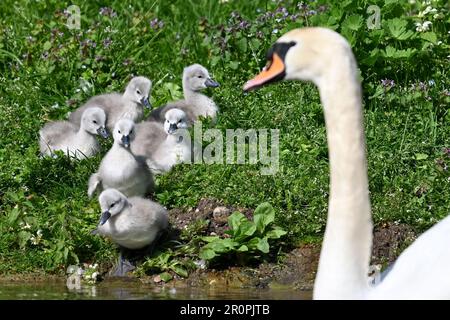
[[105, 216], [172, 128], [211, 83], [102, 132], [146, 103], [126, 141]]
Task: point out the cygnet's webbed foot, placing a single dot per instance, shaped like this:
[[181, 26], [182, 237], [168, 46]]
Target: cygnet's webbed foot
[[123, 267]]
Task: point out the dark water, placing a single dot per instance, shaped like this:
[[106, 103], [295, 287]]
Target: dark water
[[136, 290]]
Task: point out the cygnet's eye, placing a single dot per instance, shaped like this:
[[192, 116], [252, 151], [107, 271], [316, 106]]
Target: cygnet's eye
[[167, 121], [200, 76], [95, 121], [138, 91], [113, 205], [179, 121], [119, 131], [131, 131]]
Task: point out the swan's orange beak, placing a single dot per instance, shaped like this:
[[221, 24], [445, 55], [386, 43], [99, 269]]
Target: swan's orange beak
[[270, 71]]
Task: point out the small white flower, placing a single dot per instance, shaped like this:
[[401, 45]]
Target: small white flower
[[94, 275]]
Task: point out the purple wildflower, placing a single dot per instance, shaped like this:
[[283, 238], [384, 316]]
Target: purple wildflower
[[387, 83], [243, 25], [422, 86], [283, 11], [322, 8], [446, 151], [107, 12], [126, 62], [71, 102], [107, 42], [156, 24]]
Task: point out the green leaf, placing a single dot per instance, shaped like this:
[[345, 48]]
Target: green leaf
[[242, 45], [397, 29], [235, 219], [263, 216], [263, 245], [421, 156], [207, 254], [275, 233], [23, 236], [209, 238], [245, 230], [165, 276], [215, 60], [259, 244], [353, 22], [13, 215], [242, 248], [429, 36], [234, 65], [47, 45], [179, 271], [255, 43]]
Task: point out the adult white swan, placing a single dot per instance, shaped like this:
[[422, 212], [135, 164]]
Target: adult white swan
[[423, 270]]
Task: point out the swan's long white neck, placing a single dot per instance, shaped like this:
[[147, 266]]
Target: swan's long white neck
[[346, 248]]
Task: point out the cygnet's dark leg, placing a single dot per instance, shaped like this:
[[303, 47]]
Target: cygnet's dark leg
[[124, 264]]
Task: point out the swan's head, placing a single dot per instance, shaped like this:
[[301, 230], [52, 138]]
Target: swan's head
[[124, 132], [196, 78], [112, 202], [139, 90], [301, 54], [175, 119], [93, 121]]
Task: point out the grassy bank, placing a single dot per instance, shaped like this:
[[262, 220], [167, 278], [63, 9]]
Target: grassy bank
[[48, 70]]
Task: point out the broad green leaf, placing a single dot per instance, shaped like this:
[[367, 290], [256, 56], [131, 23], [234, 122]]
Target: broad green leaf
[[234, 65], [429, 36], [13, 215], [263, 216], [263, 245], [179, 271], [47, 45], [165, 276], [398, 30], [209, 238], [275, 233], [206, 254], [235, 219], [23, 236], [245, 230], [353, 22], [242, 45], [242, 248]]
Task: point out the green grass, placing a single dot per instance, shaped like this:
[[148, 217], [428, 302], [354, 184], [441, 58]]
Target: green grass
[[406, 129]]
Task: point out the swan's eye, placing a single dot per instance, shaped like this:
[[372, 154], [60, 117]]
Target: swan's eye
[[113, 205], [167, 121], [119, 131], [200, 76], [138, 91], [179, 121], [95, 121], [131, 131]]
